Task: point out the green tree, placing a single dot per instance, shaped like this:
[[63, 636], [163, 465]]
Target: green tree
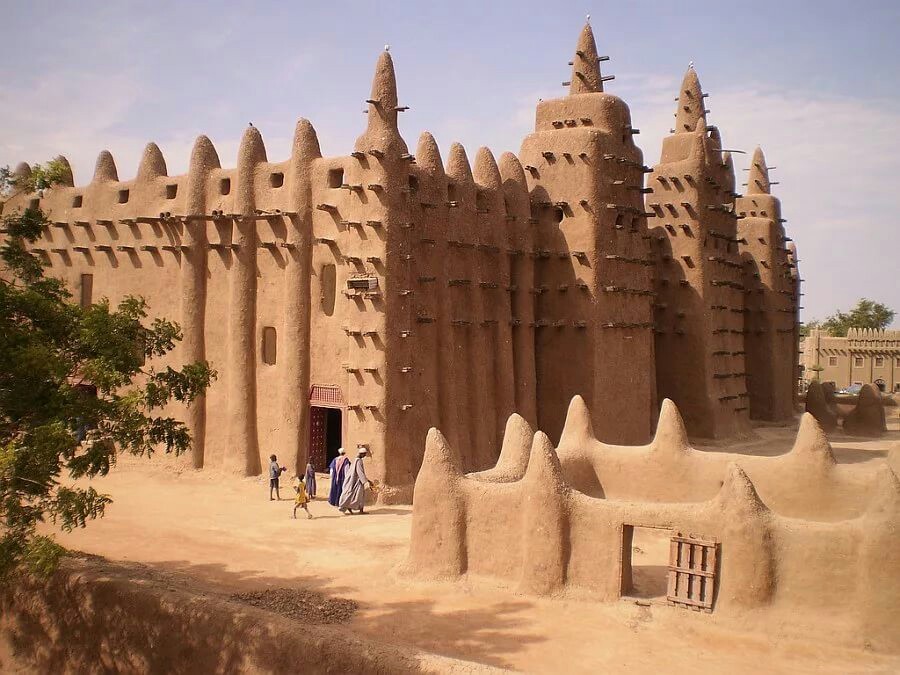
[[808, 326], [41, 177], [866, 314], [77, 385]]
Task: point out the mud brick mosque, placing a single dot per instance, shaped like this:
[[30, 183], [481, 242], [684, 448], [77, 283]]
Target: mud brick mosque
[[361, 300]]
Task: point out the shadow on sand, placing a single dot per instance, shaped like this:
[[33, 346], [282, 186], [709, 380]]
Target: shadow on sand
[[100, 616]]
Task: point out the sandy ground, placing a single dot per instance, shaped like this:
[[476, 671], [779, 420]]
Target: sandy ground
[[224, 534]]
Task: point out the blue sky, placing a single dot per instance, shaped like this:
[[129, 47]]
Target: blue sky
[[816, 84]]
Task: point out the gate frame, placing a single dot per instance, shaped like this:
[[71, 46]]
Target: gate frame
[[334, 400]]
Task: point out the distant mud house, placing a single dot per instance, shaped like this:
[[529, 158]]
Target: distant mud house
[[360, 300]]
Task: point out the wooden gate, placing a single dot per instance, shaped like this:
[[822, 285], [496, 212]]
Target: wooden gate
[[317, 422], [692, 572]]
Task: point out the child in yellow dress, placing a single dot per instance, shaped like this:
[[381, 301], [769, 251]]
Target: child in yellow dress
[[302, 498]]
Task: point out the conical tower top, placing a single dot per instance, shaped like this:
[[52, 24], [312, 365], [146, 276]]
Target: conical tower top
[[586, 78], [691, 108], [383, 100], [758, 180]]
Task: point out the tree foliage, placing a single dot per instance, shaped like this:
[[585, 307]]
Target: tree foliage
[[866, 314], [77, 385], [41, 177]]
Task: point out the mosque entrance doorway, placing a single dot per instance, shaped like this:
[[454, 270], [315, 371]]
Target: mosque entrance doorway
[[326, 425]]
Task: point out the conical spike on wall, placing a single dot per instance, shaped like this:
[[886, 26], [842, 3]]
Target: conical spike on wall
[[438, 534], [877, 584], [811, 443], [691, 107], [578, 427], [758, 178], [383, 112], [153, 164], [485, 172], [428, 155], [105, 169], [543, 464], [204, 158], [738, 494], [20, 175], [544, 520], [748, 570], [458, 167], [439, 459], [884, 503], [66, 178], [586, 77], [511, 171], [671, 434], [306, 141], [514, 453], [251, 152]]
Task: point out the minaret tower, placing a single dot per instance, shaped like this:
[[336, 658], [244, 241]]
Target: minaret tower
[[592, 290], [699, 309], [770, 316]]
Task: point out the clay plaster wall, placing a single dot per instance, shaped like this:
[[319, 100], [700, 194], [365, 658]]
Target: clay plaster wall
[[528, 523], [501, 286], [700, 303], [769, 297]]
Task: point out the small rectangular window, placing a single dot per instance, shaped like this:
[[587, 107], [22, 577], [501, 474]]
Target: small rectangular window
[[34, 204], [171, 191], [77, 201], [87, 290], [832, 360], [123, 196], [857, 361], [879, 361], [335, 178], [269, 345], [276, 180], [224, 186]]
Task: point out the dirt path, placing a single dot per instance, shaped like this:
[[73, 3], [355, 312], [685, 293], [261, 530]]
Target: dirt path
[[223, 535]]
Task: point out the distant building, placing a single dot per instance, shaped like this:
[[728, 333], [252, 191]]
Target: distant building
[[864, 356]]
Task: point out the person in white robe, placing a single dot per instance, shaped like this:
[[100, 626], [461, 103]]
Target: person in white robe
[[353, 495]]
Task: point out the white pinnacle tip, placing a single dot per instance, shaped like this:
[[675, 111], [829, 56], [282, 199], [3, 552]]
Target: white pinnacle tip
[[691, 64], [588, 18], [387, 48]]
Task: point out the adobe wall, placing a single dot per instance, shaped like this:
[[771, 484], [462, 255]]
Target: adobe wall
[[769, 319], [529, 524], [445, 337], [700, 302], [496, 285], [592, 269], [864, 356]]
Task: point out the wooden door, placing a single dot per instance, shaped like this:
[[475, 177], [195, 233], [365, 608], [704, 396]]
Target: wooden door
[[693, 564], [317, 421]]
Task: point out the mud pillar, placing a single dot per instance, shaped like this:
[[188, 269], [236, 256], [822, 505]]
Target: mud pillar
[[194, 269], [297, 275], [242, 455]]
